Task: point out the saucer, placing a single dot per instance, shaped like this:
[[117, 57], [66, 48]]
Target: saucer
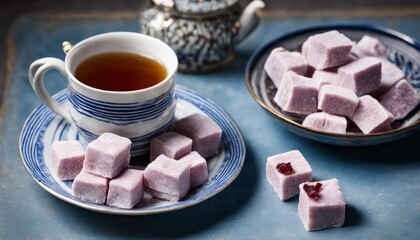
[[43, 126]]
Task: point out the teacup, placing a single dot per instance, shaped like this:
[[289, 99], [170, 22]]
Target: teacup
[[138, 114]]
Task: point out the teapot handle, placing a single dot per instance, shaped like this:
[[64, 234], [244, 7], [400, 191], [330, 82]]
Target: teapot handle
[[249, 20]]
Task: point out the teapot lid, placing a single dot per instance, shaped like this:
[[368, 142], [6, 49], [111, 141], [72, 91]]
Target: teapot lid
[[196, 6]]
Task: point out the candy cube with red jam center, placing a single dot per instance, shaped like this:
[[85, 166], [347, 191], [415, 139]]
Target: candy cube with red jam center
[[321, 205], [170, 144], [90, 187], [198, 169], [286, 171], [107, 155], [204, 132], [167, 178], [67, 159], [126, 190]]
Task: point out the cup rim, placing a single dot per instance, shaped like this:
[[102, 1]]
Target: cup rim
[[170, 75]]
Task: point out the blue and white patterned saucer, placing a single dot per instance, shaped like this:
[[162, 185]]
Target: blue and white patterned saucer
[[43, 126]]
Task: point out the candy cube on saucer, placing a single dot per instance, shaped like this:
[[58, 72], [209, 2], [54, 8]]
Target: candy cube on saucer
[[326, 122], [90, 187], [170, 144], [126, 190], [286, 171], [67, 159], [198, 169]]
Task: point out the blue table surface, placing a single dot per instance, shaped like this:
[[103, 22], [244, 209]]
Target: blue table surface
[[381, 184]]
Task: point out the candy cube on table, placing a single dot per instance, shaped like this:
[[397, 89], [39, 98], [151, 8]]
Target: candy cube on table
[[286, 171], [362, 76], [326, 50], [321, 205], [370, 116], [280, 61], [170, 144], [107, 155], [126, 190], [326, 122], [167, 178], [337, 100], [67, 159], [401, 99], [198, 169], [297, 94], [90, 187], [204, 132]]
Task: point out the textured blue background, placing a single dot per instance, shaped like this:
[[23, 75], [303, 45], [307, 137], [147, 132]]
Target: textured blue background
[[381, 184]]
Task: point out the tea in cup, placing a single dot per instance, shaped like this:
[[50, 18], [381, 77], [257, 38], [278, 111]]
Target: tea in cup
[[119, 82]]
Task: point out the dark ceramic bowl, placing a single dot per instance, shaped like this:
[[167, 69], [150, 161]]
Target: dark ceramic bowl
[[404, 52]]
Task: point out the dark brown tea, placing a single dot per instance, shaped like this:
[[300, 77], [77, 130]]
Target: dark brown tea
[[120, 71]]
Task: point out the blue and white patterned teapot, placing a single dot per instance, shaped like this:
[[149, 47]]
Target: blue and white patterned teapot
[[203, 33]]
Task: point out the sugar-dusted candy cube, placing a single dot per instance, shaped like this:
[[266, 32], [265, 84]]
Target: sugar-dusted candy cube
[[280, 61], [326, 50], [297, 94], [170, 144], [370, 116], [126, 190], [107, 155], [337, 100], [321, 205], [198, 169], [90, 187], [322, 78], [390, 75], [326, 122], [285, 171], [204, 132], [67, 159], [362, 76], [371, 46], [401, 99], [167, 178]]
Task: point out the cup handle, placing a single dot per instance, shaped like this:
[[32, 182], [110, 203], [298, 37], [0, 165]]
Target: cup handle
[[36, 74]]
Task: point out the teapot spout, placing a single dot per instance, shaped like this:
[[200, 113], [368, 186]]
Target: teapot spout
[[249, 20]]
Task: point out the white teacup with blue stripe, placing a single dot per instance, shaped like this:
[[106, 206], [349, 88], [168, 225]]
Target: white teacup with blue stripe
[[139, 115]]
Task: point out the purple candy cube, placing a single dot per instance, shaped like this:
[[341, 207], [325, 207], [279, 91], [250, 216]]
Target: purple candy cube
[[401, 99], [126, 190], [170, 144], [337, 100], [286, 183], [167, 178], [90, 187], [326, 50], [322, 78], [390, 75], [362, 76], [326, 211], [280, 61], [326, 122], [107, 155], [198, 169], [204, 132], [370, 46], [370, 116], [297, 94], [67, 159]]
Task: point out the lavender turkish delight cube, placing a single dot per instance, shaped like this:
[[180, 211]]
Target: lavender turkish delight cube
[[370, 116], [67, 159], [297, 94], [90, 187], [362, 76], [322, 78], [204, 132], [326, 50], [167, 178], [337, 100], [107, 155], [126, 190], [280, 61], [401, 99], [371, 46], [326, 122], [390, 75], [286, 171], [170, 144], [321, 205], [198, 169]]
